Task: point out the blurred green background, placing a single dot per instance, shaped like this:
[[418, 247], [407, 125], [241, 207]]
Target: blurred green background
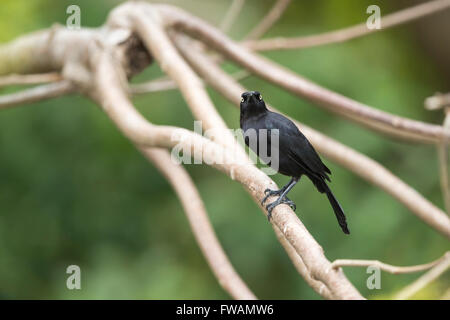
[[73, 190]]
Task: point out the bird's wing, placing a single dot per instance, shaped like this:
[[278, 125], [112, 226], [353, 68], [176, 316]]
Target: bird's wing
[[297, 147]]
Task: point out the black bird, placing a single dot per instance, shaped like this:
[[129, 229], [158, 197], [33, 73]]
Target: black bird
[[297, 156]]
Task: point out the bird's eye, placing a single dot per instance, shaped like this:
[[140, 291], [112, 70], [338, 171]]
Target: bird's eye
[[260, 97], [242, 99]]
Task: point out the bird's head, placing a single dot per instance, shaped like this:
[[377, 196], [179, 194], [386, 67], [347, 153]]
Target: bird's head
[[252, 103]]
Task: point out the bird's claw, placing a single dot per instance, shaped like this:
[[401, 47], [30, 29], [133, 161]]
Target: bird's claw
[[290, 203], [269, 193], [270, 207], [277, 202]]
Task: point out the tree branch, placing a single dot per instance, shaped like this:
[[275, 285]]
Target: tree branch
[[19, 79], [36, 94], [387, 267], [342, 35], [199, 222], [162, 84]]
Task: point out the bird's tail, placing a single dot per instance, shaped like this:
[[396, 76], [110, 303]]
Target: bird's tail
[[336, 207]]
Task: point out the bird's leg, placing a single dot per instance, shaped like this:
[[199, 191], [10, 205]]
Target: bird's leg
[[282, 198]]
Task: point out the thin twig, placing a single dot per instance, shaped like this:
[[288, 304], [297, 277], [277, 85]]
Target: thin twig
[[443, 163], [241, 75], [36, 94], [442, 150], [165, 84], [24, 79], [387, 267], [268, 20], [196, 213], [342, 35], [231, 15], [438, 101], [425, 279]]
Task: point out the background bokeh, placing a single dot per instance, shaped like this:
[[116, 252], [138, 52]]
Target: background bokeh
[[73, 190]]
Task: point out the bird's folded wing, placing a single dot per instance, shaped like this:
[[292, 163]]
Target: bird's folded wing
[[297, 146]]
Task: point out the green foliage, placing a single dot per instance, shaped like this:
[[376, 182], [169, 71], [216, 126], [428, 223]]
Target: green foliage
[[73, 190]]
